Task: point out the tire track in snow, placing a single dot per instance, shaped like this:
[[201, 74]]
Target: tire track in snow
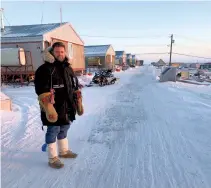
[[181, 145], [123, 147], [16, 145]]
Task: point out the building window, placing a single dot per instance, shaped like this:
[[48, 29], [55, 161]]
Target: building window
[[70, 50], [46, 44]]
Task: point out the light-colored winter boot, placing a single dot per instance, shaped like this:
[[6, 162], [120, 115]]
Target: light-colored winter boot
[[64, 152], [54, 161]]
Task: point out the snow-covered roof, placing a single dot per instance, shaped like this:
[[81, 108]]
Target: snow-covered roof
[[3, 96], [97, 50], [28, 30]]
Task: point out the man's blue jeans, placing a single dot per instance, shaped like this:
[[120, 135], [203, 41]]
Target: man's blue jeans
[[53, 132]]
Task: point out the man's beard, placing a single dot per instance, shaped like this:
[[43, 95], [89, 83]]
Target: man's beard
[[61, 59]]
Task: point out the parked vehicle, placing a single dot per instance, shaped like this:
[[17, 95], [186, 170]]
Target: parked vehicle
[[204, 72], [103, 77], [132, 66]]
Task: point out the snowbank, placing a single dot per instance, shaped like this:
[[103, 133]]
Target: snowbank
[[5, 102], [3, 96], [192, 87], [85, 79], [155, 71]]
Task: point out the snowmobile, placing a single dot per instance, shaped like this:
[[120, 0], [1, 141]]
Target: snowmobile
[[96, 79], [107, 80], [102, 78]]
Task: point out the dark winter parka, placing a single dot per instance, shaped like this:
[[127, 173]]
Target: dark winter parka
[[60, 77]]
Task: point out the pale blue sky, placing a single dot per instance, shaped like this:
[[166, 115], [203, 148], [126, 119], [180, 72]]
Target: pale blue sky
[[152, 22]]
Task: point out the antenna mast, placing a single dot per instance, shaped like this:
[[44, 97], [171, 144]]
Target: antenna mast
[[42, 12], [60, 14]]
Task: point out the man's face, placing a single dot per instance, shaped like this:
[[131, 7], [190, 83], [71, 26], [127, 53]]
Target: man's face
[[59, 53]]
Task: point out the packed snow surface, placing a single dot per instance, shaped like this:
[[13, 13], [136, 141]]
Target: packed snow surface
[[137, 133]]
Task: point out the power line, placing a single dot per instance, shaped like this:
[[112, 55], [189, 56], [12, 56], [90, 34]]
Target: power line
[[163, 45], [92, 36], [146, 45], [6, 20], [191, 38], [191, 55], [190, 46], [155, 36], [166, 53], [152, 53]]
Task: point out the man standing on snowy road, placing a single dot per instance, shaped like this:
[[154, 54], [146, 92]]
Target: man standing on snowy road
[[60, 99]]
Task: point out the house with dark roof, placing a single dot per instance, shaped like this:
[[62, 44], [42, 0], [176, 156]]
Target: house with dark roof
[[134, 59], [34, 39], [100, 56], [120, 58], [139, 62], [129, 59], [160, 63]]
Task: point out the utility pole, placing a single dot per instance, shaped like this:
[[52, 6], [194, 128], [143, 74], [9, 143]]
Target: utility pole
[[172, 41], [2, 20]]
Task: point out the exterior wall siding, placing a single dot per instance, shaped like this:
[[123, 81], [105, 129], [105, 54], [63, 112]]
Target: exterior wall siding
[[65, 33], [111, 51], [78, 62], [102, 62], [121, 60], [110, 61], [110, 58]]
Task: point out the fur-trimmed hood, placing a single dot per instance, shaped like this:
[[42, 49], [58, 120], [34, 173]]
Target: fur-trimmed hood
[[48, 56]]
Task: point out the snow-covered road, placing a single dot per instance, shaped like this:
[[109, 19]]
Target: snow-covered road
[[139, 134]]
